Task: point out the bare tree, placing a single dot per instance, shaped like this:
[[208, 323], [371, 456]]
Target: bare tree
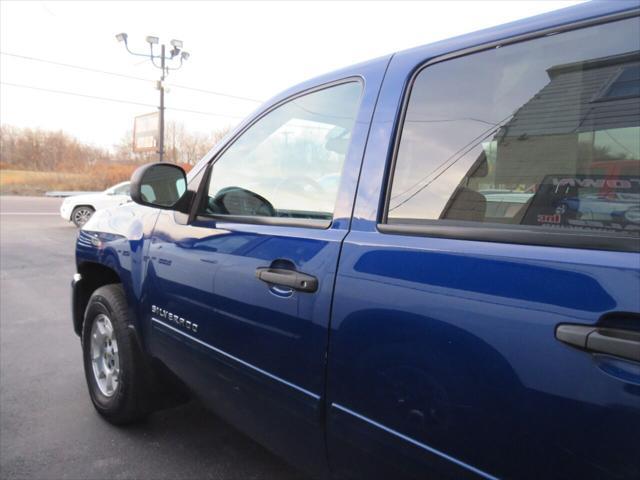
[[186, 147], [36, 149]]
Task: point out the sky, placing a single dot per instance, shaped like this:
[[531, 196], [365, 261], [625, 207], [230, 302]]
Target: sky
[[242, 49]]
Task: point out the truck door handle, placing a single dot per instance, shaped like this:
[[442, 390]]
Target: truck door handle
[[612, 341], [288, 278]]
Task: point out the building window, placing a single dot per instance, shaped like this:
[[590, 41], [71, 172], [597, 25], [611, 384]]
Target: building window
[[626, 84]]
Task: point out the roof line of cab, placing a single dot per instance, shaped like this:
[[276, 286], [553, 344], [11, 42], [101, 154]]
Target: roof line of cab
[[557, 18]]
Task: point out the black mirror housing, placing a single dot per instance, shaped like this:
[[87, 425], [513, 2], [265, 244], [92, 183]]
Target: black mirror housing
[[159, 185]]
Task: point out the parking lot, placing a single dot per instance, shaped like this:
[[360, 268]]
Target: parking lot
[[48, 427]]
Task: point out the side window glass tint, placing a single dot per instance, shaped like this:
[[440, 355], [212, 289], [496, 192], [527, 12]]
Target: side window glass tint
[[544, 133], [289, 163]]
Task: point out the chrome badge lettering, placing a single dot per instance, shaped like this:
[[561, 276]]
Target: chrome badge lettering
[[173, 318]]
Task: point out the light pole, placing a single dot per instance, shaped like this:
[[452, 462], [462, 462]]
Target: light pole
[[176, 52]]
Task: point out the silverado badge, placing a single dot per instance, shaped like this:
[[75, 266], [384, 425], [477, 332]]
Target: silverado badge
[[172, 317]]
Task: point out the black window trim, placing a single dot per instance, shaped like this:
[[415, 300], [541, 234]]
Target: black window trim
[[476, 231], [514, 234], [197, 206]]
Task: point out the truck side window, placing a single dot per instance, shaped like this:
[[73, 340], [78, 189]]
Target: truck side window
[[544, 134], [289, 163]]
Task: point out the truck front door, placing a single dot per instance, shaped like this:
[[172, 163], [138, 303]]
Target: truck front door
[[239, 298]]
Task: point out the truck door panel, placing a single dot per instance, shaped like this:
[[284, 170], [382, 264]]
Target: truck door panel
[[495, 229], [278, 200]]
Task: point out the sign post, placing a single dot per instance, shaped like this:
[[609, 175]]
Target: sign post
[[175, 53]]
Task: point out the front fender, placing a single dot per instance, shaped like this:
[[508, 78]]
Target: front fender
[[112, 247]]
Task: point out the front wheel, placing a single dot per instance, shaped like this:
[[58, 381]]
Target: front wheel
[[81, 215], [116, 370]]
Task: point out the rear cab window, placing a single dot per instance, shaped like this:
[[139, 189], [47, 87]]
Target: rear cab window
[[539, 138]]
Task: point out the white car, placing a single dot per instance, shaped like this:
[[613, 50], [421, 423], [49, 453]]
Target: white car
[[79, 208]]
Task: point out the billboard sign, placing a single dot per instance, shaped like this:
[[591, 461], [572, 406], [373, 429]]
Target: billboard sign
[[145, 132]]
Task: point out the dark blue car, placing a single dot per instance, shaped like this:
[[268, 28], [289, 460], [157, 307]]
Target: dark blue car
[[371, 275]]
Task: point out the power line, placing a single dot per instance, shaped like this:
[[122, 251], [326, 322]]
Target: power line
[[444, 120], [77, 67], [211, 92], [201, 112], [618, 142], [130, 77], [116, 100], [462, 151], [471, 142]]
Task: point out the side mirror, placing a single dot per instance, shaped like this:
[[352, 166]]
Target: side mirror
[[159, 185]]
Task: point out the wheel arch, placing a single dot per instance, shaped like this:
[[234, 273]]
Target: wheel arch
[[80, 205], [93, 276]]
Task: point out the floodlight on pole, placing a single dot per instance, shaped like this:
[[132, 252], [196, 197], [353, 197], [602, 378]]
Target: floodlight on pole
[[164, 68]]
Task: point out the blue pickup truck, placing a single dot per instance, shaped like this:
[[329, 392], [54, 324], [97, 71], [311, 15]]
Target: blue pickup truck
[[373, 275]]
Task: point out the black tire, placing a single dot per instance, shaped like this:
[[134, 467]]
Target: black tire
[[81, 215], [130, 400]]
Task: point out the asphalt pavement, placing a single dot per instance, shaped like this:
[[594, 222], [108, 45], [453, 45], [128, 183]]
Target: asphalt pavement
[[48, 427]]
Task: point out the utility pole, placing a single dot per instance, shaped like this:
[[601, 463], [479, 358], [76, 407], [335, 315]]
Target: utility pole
[[176, 52], [161, 134]]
